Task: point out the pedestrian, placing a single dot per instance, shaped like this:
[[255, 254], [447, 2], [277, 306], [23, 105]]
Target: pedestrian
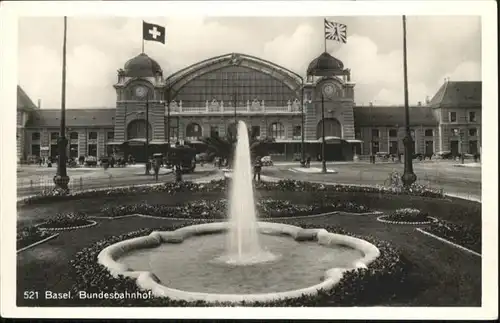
[[308, 161], [156, 166], [257, 167]]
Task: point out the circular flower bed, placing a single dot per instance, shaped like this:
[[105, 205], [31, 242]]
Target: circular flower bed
[[406, 216], [222, 185], [378, 283], [217, 209], [30, 235], [67, 221]]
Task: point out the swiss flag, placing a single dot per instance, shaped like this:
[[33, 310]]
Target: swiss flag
[[153, 32]]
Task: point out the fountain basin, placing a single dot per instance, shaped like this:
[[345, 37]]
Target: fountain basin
[[119, 258]]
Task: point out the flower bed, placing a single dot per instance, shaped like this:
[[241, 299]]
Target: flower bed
[[377, 284], [221, 186], [217, 209], [466, 236], [30, 235], [407, 215], [70, 220]]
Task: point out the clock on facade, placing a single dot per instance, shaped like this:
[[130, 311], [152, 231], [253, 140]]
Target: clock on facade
[[329, 90], [140, 91]]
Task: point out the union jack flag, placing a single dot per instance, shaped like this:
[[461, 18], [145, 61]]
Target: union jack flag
[[335, 31]]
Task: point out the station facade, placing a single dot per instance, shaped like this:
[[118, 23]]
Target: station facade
[[207, 98]]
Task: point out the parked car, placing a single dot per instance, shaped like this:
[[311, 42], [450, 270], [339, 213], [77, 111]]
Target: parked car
[[266, 161]]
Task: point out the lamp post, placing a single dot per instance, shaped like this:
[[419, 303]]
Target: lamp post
[[323, 144], [235, 101], [409, 176], [302, 141], [146, 148], [61, 178]]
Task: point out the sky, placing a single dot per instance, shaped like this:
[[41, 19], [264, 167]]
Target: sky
[[439, 47]]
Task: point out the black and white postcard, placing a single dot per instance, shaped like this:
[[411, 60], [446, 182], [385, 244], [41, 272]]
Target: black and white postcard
[[333, 160]]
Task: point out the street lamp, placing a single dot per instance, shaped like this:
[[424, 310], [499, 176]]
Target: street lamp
[[302, 141], [409, 176], [323, 143], [61, 178]]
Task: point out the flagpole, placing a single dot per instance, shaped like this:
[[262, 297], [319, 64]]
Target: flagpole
[[324, 31], [143, 36]]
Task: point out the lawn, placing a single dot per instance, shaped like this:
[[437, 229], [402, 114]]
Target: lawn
[[441, 275]]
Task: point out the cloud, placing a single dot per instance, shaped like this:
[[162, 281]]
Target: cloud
[[438, 47]]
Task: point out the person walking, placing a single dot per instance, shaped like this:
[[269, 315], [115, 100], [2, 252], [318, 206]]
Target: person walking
[[256, 169], [156, 167]]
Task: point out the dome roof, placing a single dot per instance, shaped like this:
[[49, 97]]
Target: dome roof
[[141, 66], [325, 65]]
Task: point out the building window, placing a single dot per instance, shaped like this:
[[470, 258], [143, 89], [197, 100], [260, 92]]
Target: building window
[[472, 116], [357, 134], [429, 133], [35, 150], [393, 133], [73, 135], [54, 135], [472, 132], [73, 150], [35, 136], [214, 131], [111, 135], [453, 117], [455, 131], [375, 147], [277, 130], [255, 132], [92, 150], [375, 133], [297, 131], [93, 136]]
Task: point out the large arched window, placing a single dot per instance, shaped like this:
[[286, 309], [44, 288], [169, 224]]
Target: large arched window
[[277, 130], [235, 83], [193, 130], [137, 130], [332, 128]]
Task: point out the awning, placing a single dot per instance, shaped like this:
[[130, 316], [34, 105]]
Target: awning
[[354, 141], [114, 143]]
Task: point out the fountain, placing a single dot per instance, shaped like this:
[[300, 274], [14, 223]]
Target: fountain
[[243, 238], [257, 262]]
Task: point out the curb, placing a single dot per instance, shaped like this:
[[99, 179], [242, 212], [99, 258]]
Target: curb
[[380, 219], [38, 242], [93, 223], [449, 242]]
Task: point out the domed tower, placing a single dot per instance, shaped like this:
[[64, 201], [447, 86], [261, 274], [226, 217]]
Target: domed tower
[[330, 97], [139, 102]]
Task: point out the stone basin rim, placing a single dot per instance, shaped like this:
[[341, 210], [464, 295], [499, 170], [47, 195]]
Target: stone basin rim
[[146, 280]]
